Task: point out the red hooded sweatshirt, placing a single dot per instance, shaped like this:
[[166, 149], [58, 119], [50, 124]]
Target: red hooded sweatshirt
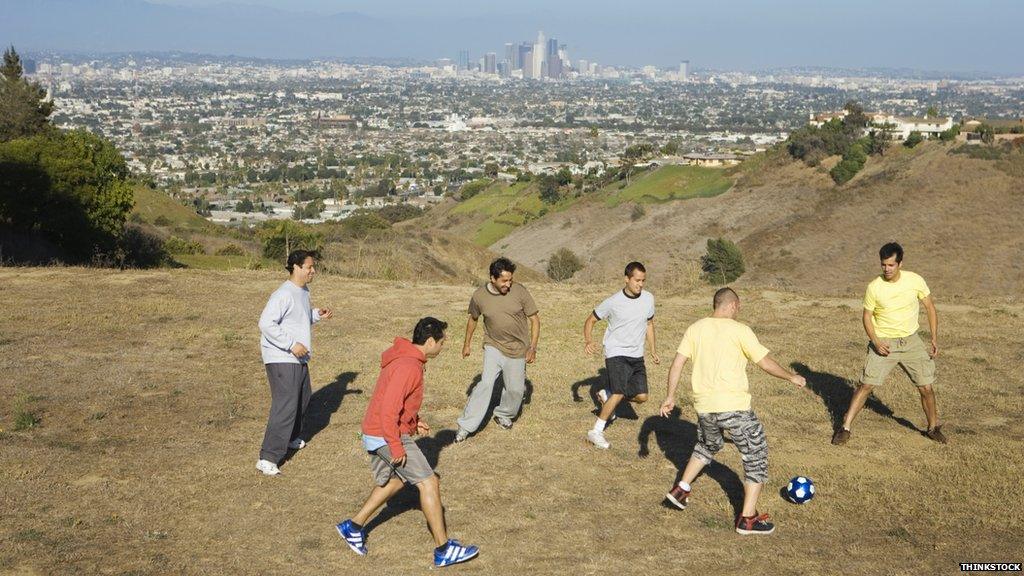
[[395, 405]]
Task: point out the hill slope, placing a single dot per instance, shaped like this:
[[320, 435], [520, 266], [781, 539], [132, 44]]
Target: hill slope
[[960, 219]]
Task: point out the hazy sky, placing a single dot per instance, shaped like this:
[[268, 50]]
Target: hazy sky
[[948, 35]]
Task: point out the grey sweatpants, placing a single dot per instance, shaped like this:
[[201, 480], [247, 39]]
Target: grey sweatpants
[[289, 396], [513, 374]]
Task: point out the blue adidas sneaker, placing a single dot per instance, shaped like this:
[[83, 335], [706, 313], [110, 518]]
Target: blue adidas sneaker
[[453, 553], [353, 537]]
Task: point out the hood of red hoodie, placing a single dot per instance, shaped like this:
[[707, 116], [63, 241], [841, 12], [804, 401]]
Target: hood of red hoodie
[[401, 348]]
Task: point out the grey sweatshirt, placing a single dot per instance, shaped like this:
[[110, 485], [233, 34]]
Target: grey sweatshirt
[[287, 319]]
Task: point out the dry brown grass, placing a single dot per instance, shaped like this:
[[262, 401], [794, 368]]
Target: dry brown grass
[[152, 402]]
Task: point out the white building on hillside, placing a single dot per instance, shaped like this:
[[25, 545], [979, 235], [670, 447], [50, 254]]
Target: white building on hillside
[[899, 127]]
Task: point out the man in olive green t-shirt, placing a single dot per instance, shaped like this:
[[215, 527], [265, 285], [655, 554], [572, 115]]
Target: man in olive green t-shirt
[[511, 332], [891, 323]]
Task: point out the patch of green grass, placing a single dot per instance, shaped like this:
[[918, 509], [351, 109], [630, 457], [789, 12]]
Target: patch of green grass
[[153, 204], [505, 208], [216, 262], [24, 418], [673, 183]]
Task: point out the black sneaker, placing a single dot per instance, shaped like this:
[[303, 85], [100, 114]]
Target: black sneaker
[[756, 524]]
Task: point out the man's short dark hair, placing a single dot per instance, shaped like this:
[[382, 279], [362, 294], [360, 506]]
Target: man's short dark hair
[[298, 258], [889, 250], [502, 265], [427, 328], [633, 267], [724, 296]]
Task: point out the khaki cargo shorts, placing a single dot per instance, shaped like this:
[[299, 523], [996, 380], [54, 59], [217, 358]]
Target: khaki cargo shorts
[[909, 353]]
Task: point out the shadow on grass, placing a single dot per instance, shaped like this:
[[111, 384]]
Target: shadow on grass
[[322, 405], [676, 438], [593, 384], [496, 392], [408, 498], [836, 392]]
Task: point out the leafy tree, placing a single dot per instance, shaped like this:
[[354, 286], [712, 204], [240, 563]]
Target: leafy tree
[[564, 176], [395, 213], [548, 187], [723, 262], [24, 110], [473, 188], [245, 205], [71, 187], [279, 237], [877, 142], [950, 134], [855, 119], [563, 264], [987, 133], [670, 148], [913, 139], [932, 112]]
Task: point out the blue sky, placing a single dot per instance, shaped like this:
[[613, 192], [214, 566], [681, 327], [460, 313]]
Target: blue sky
[[949, 35]]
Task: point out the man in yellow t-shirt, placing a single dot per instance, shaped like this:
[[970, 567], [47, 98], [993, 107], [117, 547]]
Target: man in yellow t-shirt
[[890, 321], [720, 348]]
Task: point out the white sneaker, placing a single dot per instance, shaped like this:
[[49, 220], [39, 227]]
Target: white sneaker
[[297, 444], [596, 437], [461, 435], [268, 468], [602, 395]]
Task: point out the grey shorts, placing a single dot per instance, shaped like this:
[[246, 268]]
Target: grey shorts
[[415, 470], [745, 431]]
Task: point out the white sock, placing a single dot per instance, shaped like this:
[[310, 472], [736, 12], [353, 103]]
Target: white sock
[[599, 425], [684, 485]]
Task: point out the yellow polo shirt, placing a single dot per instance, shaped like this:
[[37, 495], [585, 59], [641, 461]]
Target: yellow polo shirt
[[894, 305], [720, 349]]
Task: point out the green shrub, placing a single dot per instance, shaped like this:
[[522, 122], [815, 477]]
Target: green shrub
[[176, 245], [279, 237], [473, 188], [563, 264], [230, 250], [141, 249], [637, 213], [395, 213], [913, 139], [722, 263]]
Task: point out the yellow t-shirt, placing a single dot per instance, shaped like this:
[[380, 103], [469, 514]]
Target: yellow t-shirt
[[719, 349], [894, 305]]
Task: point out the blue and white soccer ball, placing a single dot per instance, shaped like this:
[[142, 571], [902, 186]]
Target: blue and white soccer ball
[[800, 489]]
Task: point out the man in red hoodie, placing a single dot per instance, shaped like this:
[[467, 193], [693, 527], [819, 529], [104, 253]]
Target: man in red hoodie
[[391, 420]]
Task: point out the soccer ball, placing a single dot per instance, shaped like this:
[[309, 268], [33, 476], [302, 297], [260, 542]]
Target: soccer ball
[[799, 490]]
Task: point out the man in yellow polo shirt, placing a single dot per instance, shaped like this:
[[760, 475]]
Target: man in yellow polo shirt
[[891, 322], [720, 348]]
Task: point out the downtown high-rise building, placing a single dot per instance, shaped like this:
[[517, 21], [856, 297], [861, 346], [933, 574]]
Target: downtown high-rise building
[[512, 56], [684, 71], [539, 62], [490, 63], [463, 59]]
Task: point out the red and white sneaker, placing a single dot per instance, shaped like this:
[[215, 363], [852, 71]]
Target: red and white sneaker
[[678, 497], [756, 524]]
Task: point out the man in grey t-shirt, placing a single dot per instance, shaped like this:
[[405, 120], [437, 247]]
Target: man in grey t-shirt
[[630, 316], [286, 343]]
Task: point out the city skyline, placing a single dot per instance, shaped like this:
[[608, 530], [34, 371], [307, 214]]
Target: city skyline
[[747, 36]]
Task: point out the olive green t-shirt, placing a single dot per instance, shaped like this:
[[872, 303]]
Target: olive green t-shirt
[[505, 318]]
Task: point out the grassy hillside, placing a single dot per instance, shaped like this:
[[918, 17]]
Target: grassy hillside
[[151, 402], [799, 231], [497, 211], [157, 208], [673, 183]]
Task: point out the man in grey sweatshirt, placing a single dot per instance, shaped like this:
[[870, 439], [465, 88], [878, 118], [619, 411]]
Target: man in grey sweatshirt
[[286, 345]]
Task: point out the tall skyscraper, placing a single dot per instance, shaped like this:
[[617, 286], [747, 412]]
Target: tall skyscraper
[[511, 54], [684, 70], [463, 59], [539, 62], [524, 49], [490, 63], [528, 61]]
